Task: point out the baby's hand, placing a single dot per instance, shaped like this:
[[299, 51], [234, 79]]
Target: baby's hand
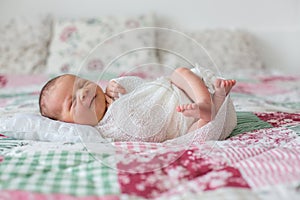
[[113, 89]]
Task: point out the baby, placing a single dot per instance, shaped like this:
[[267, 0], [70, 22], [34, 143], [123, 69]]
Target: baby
[[69, 98]]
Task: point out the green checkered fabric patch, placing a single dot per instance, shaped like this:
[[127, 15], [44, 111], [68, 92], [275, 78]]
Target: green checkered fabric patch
[[7, 143], [73, 173], [246, 122]]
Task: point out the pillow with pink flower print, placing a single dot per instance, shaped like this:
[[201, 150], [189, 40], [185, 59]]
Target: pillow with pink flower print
[[104, 45]]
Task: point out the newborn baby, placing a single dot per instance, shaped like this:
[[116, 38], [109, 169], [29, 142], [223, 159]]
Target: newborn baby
[[153, 111]]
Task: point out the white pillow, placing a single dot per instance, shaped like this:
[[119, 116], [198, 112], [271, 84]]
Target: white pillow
[[24, 45], [230, 50], [36, 127], [73, 40]]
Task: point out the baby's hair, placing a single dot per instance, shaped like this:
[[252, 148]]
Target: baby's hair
[[43, 92]]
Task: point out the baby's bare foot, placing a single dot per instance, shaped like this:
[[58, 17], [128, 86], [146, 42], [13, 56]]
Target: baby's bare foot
[[222, 88], [189, 110], [196, 110]]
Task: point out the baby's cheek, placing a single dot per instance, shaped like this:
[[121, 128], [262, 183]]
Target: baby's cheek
[[99, 109]]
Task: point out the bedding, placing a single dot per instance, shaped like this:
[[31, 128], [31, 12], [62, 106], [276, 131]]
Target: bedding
[[260, 159], [71, 49]]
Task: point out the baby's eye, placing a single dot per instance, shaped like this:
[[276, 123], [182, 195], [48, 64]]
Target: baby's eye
[[80, 83], [74, 100]]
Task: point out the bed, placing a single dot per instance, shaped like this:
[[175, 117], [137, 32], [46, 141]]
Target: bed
[[260, 159]]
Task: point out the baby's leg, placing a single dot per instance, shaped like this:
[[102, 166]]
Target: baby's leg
[[222, 88], [195, 88]]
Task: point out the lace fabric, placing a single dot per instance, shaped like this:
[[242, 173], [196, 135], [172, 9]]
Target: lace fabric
[[147, 113]]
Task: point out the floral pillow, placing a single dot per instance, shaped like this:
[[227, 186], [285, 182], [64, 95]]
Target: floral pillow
[[221, 50], [24, 45], [94, 46]]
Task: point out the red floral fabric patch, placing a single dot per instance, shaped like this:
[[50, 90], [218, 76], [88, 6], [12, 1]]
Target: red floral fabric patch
[[204, 172], [278, 119]]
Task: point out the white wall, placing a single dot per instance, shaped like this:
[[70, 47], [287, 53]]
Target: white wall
[[191, 13], [276, 23]]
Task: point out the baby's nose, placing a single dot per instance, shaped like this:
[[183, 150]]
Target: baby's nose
[[84, 94]]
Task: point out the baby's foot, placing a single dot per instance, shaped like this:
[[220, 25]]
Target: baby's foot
[[189, 110], [196, 110], [222, 88]]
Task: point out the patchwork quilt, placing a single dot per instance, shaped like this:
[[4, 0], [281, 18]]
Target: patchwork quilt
[[260, 159]]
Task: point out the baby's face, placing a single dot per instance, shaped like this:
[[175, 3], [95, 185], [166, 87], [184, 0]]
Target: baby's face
[[77, 100]]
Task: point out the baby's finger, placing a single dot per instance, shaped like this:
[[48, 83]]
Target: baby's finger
[[119, 89], [109, 100], [115, 87], [112, 94], [110, 86]]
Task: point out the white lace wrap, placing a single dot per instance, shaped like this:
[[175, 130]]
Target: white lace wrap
[[147, 112]]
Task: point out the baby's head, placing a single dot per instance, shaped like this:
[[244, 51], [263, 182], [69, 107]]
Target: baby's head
[[69, 98]]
